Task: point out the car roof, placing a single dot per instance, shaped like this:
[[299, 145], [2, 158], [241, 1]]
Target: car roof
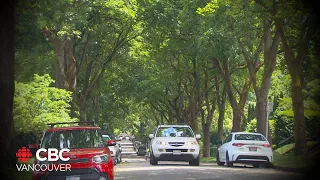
[[174, 125], [246, 133], [70, 128]]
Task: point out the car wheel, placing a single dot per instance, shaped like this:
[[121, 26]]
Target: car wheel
[[229, 164], [153, 160], [218, 161], [119, 159], [195, 162], [269, 165]]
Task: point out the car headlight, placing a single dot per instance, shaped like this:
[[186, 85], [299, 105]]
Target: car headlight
[[100, 158], [192, 143], [161, 142]]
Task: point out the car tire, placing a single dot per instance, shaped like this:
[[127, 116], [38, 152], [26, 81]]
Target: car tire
[[195, 162], [228, 162], [218, 161], [119, 159], [269, 165], [153, 160]]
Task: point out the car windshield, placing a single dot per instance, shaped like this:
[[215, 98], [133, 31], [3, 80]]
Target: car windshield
[[174, 132], [249, 137], [73, 139]]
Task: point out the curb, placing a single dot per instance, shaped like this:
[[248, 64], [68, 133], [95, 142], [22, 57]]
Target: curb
[[295, 170]]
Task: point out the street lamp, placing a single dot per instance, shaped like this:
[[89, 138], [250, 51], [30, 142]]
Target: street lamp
[[269, 109]]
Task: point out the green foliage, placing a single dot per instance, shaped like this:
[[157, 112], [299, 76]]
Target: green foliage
[[311, 108], [36, 104], [283, 114], [209, 8], [149, 54], [252, 126]]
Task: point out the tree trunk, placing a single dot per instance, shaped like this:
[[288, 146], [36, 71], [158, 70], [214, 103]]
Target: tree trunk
[[236, 121], [270, 48], [295, 67], [7, 46], [206, 140], [193, 119], [83, 109], [206, 122], [261, 109], [271, 45], [298, 111], [221, 115], [65, 65]]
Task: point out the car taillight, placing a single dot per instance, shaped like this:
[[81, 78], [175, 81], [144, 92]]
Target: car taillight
[[266, 145], [237, 144]]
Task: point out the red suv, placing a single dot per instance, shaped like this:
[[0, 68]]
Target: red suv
[[89, 154]]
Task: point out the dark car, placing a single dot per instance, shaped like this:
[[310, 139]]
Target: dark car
[[141, 150]]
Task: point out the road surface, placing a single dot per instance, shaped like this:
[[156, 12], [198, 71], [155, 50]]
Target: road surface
[[137, 168]]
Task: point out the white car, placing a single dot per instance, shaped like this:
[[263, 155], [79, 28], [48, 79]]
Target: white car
[[245, 148], [114, 150], [174, 143]]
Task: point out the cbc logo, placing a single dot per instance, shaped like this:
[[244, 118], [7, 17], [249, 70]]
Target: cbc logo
[[23, 154], [53, 154]]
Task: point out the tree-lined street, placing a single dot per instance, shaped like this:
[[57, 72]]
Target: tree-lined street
[[129, 66]]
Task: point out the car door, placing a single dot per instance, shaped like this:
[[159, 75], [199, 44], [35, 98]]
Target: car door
[[223, 148]]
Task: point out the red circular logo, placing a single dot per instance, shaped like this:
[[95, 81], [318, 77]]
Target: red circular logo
[[23, 154]]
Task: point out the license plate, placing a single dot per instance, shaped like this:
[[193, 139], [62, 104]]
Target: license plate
[[176, 152], [72, 178], [252, 148]]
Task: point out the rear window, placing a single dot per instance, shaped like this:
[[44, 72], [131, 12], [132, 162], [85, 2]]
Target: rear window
[[73, 139], [249, 137]]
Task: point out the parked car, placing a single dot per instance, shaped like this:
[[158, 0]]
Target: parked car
[[141, 150], [136, 144], [245, 148], [174, 143], [89, 154], [132, 138], [33, 148], [114, 150]]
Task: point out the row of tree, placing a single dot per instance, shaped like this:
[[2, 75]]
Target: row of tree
[[144, 63]]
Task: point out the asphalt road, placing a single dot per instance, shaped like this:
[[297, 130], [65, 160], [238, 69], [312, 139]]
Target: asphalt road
[[134, 168]]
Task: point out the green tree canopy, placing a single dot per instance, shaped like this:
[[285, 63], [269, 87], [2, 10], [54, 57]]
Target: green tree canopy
[[37, 104]]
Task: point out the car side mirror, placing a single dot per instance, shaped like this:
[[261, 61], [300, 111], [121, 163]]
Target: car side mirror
[[151, 136], [111, 143], [198, 136]]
